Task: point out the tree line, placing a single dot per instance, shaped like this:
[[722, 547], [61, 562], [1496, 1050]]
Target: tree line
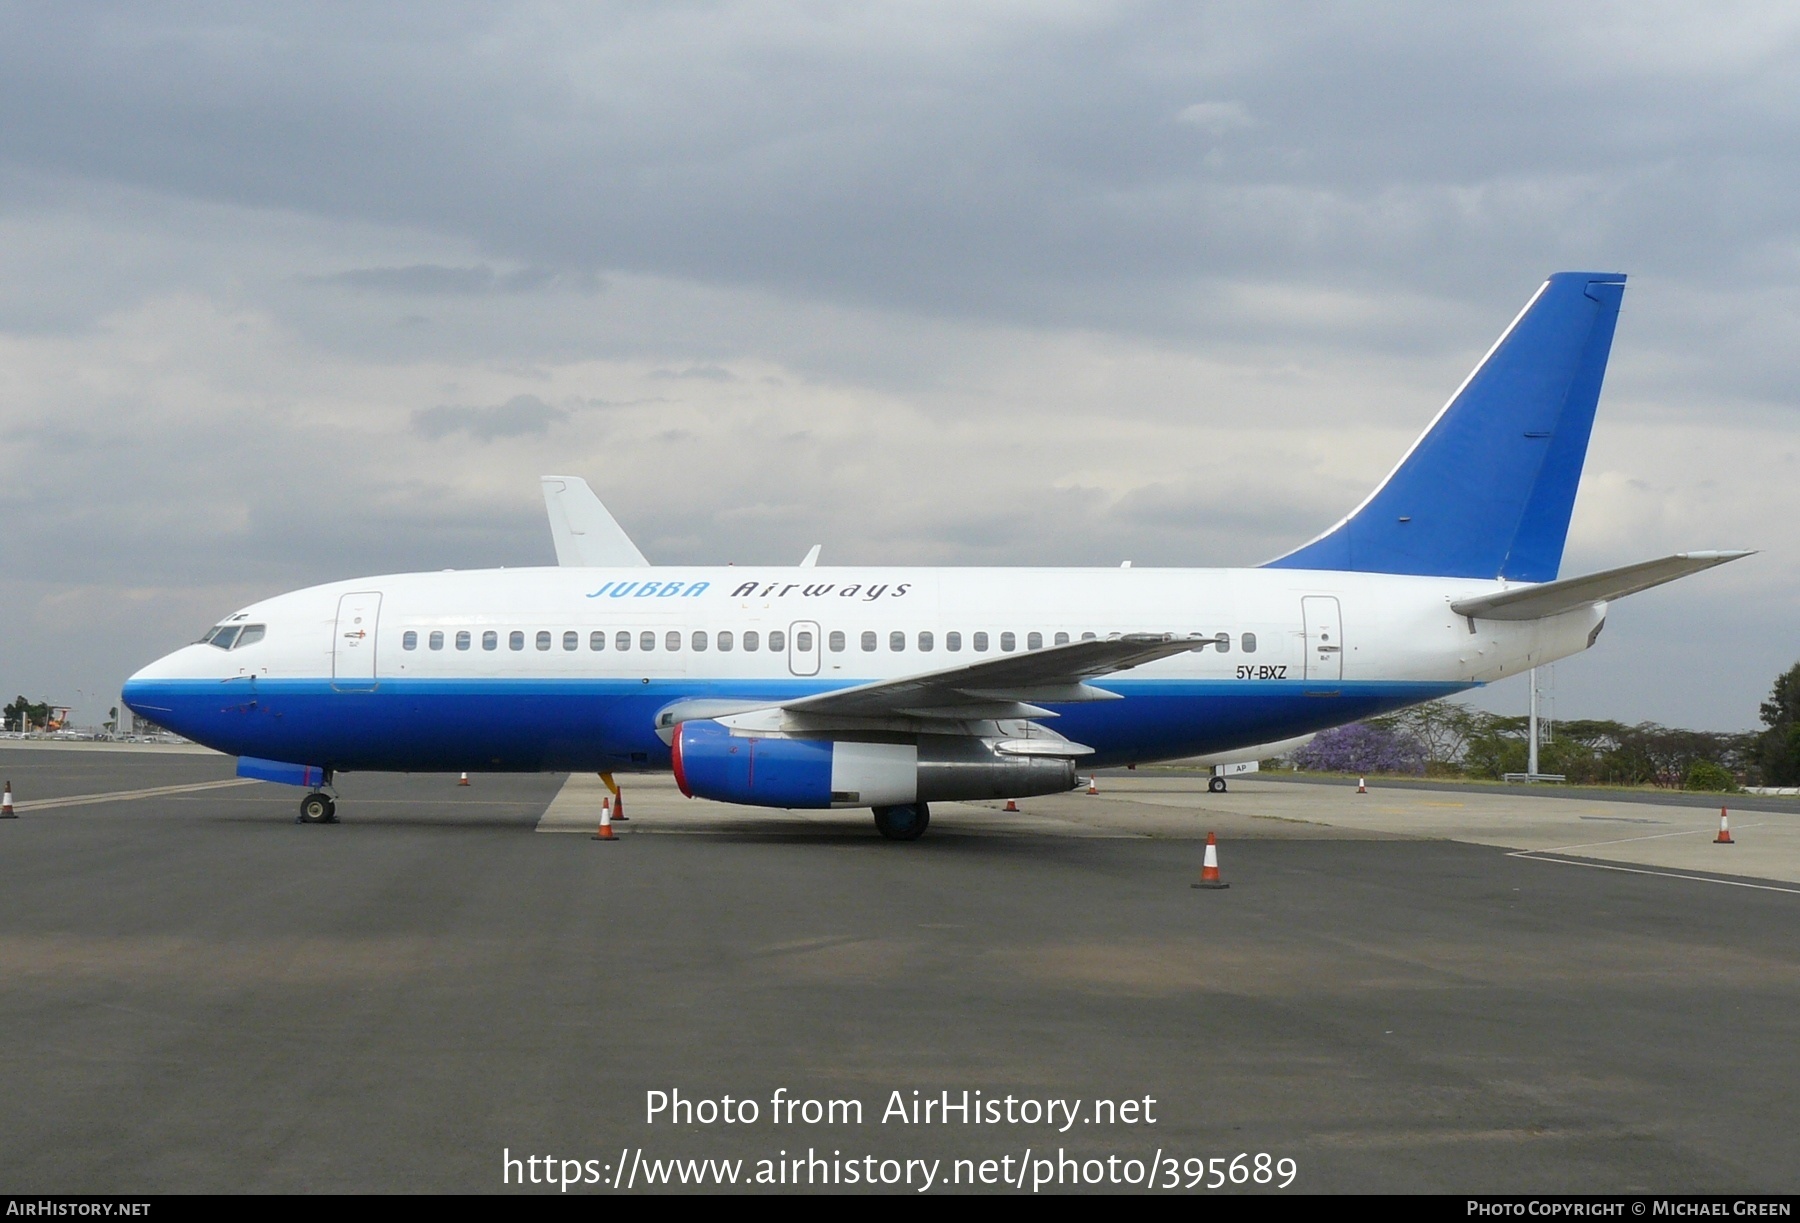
[[1443, 738]]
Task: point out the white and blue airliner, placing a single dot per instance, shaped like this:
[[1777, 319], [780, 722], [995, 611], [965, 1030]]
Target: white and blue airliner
[[891, 687]]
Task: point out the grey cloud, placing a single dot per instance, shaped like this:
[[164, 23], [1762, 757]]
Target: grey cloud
[[436, 280], [1016, 166], [898, 208], [1216, 117], [705, 373], [520, 416]]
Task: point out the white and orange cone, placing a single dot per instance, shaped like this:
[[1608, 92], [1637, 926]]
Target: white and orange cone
[[1362, 785], [1093, 784], [619, 807], [1724, 837], [605, 832], [1010, 806], [464, 781], [1209, 866], [6, 811]]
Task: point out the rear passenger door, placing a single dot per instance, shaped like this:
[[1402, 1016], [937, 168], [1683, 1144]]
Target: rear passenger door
[[1324, 637]]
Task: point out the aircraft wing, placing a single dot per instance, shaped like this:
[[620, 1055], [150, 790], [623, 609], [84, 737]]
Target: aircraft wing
[[1011, 686], [585, 532], [1567, 594]]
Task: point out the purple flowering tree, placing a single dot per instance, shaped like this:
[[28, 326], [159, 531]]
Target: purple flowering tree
[[1362, 748]]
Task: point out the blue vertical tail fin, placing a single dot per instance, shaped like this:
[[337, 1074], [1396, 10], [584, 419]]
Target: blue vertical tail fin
[[1487, 490]]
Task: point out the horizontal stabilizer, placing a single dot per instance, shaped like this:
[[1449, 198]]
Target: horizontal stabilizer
[[586, 533], [1554, 598]]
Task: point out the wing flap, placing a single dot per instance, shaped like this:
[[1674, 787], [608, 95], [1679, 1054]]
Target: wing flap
[[1056, 675]]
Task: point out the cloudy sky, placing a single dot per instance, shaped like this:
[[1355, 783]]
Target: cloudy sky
[[300, 293]]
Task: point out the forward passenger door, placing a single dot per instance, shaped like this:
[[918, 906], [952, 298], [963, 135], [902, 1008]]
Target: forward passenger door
[[353, 642]]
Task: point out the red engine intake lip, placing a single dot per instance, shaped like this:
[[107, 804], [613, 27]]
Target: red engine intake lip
[[675, 760]]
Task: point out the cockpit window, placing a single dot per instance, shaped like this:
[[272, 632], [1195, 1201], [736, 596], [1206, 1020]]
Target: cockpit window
[[225, 636], [252, 633]]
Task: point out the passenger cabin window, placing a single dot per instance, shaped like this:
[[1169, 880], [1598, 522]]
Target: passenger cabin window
[[868, 641], [462, 639], [777, 640], [515, 640], [225, 636], [836, 641], [543, 639], [1062, 639], [1249, 643], [623, 640], [672, 640], [725, 641], [647, 640], [409, 640], [1223, 641], [926, 643], [803, 641], [981, 643], [437, 639], [896, 642], [752, 640], [699, 641], [597, 640], [953, 642], [1034, 641], [490, 640], [1089, 637], [1008, 641], [571, 641]]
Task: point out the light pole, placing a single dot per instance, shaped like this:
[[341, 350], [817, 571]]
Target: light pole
[[1531, 764]]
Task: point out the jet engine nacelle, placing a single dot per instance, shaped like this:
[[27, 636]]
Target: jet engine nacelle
[[711, 762]]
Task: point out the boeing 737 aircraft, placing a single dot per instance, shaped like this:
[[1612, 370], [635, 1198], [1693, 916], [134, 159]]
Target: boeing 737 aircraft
[[895, 686]]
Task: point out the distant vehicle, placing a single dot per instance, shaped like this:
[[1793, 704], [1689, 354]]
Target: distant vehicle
[[890, 687]]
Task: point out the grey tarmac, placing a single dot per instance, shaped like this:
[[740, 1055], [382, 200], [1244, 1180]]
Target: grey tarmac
[[197, 994]]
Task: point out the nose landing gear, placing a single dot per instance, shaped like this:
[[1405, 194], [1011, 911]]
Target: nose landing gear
[[318, 808]]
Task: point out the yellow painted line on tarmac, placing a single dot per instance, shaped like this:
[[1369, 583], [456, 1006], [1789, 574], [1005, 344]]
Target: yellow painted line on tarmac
[[119, 796]]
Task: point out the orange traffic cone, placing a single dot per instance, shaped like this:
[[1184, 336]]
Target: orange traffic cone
[[1010, 806], [1209, 867], [464, 781], [604, 832], [6, 811], [1362, 785], [1093, 784], [619, 808], [1724, 837]]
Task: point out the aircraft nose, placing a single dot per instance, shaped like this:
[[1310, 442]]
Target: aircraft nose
[[145, 691]]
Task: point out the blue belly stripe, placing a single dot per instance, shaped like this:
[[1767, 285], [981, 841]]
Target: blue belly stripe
[[531, 725]]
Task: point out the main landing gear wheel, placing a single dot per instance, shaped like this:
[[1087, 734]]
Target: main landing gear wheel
[[904, 823], [318, 808], [1216, 785]]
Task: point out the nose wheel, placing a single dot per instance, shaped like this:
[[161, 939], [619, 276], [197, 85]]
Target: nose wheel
[[317, 808], [1216, 785]]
